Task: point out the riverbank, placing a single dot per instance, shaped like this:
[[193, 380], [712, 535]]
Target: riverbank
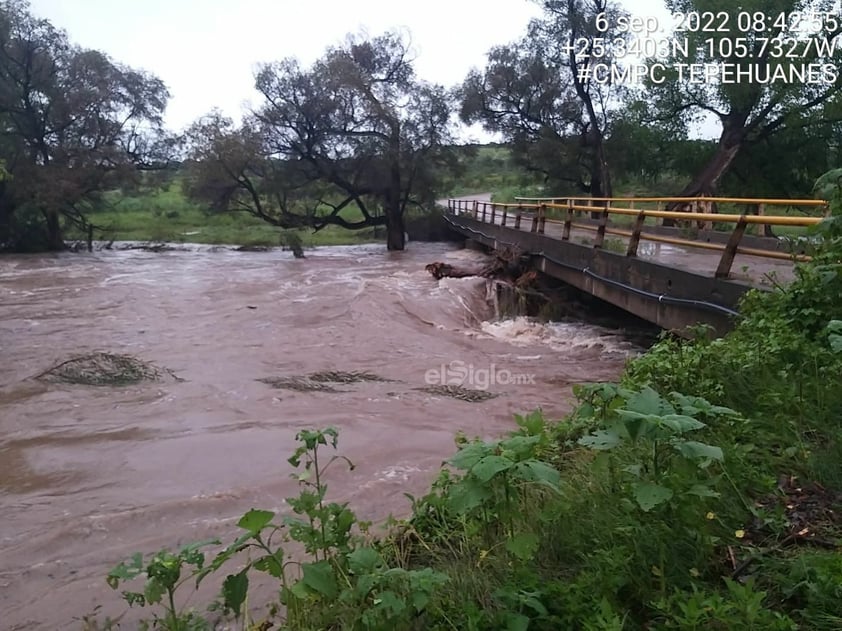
[[702, 490], [167, 216]]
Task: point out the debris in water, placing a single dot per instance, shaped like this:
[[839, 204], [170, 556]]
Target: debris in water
[[105, 369], [460, 393], [322, 381], [347, 377], [299, 384]]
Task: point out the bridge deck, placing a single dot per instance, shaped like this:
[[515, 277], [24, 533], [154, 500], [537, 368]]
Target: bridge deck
[[755, 271], [673, 284]]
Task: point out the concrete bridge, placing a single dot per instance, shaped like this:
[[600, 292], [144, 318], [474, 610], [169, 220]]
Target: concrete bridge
[[675, 262]]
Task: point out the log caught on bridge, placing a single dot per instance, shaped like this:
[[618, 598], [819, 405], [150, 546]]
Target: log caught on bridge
[[507, 265]]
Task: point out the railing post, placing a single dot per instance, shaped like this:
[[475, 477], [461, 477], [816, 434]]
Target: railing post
[[634, 241], [659, 221], [542, 218], [484, 211], [568, 221], [603, 223], [763, 229], [505, 214], [476, 208], [535, 220], [493, 212], [727, 260], [518, 216]]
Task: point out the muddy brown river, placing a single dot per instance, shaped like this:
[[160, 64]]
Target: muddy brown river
[[89, 475]]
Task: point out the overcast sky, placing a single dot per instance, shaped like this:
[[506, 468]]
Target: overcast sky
[[206, 51]]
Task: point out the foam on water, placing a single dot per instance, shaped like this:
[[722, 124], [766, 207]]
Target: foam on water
[[558, 336]]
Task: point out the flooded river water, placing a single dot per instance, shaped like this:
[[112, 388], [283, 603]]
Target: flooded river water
[[89, 475]]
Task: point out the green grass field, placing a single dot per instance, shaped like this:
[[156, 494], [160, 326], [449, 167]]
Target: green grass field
[[167, 216]]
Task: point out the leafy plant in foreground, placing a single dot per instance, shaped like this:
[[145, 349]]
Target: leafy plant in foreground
[[657, 428], [346, 582]]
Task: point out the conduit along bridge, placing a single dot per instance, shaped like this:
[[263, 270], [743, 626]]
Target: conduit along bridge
[[672, 261]]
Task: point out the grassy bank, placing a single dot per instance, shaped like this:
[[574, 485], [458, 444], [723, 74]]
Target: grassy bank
[[168, 216]]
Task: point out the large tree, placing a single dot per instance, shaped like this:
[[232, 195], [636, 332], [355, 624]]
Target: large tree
[[357, 132], [545, 96], [73, 124], [763, 44]]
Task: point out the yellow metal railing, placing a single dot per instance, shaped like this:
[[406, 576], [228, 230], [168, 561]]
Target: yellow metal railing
[[698, 209]]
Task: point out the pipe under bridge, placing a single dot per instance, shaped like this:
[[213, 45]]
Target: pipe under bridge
[[675, 262]]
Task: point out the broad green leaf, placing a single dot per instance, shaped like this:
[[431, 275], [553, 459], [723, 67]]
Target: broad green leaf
[[255, 520], [320, 578], [635, 424], [234, 591], [520, 446], [516, 622], [696, 450], [365, 584], [490, 466], [364, 560], [300, 590], [535, 605], [601, 440], [701, 490], [537, 471], [723, 411], [633, 469], [647, 401], [523, 545], [585, 410], [126, 571], [420, 599], [648, 496], [533, 423], [467, 495], [272, 564], [389, 600], [679, 423], [470, 454], [153, 591]]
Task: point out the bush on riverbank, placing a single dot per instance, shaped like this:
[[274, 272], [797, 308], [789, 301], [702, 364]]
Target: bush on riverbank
[[701, 492]]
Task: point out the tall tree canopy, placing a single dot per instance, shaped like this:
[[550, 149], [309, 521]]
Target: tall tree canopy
[[357, 132], [767, 98], [73, 124], [542, 96]]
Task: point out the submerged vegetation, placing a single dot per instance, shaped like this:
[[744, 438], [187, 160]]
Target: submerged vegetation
[[701, 491], [105, 369]]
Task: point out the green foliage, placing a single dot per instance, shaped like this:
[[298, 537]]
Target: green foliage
[[346, 579], [164, 573], [656, 428]]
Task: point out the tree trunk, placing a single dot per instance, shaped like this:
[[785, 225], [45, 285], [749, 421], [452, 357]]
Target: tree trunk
[[55, 242], [706, 182], [600, 175], [395, 230]]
